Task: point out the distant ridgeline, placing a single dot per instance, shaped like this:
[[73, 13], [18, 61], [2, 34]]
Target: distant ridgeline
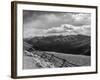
[[70, 44]]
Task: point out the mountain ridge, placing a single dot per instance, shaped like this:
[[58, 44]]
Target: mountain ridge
[[72, 44]]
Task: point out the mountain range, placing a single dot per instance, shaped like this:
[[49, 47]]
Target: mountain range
[[69, 44]]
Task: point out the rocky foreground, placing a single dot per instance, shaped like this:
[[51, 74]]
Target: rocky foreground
[[44, 59]]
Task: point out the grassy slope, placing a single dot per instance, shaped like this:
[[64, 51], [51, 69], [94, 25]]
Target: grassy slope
[[76, 59]]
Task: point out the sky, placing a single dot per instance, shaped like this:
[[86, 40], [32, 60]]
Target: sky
[[44, 23]]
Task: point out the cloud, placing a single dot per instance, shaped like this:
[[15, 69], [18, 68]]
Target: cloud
[[40, 19], [62, 28], [33, 32], [81, 19], [68, 29], [43, 22], [84, 30]]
